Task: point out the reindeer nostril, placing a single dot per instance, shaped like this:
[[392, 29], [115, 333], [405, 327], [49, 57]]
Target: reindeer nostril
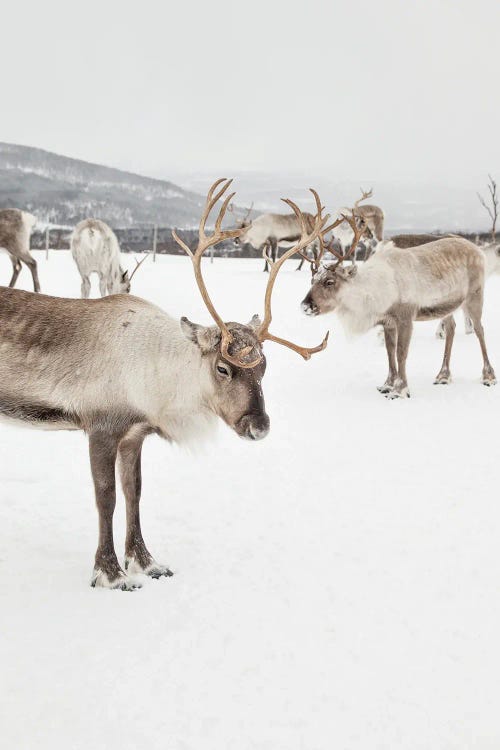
[[253, 426], [309, 308]]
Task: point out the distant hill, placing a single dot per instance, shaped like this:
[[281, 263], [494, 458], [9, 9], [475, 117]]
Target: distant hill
[[60, 190]]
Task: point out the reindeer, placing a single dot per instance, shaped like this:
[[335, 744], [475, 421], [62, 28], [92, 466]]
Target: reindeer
[[269, 231], [371, 216], [15, 231], [95, 249], [397, 287], [120, 369]]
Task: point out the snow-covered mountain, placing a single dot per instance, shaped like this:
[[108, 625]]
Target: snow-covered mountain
[[60, 190]]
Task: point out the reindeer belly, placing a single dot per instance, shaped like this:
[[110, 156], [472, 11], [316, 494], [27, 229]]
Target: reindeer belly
[[439, 310], [38, 415]]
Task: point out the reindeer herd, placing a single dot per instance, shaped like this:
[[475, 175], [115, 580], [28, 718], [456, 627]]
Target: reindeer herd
[[120, 369]]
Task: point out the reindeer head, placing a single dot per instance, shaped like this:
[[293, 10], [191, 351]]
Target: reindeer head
[[242, 223], [232, 352], [329, 280], [123, 285]]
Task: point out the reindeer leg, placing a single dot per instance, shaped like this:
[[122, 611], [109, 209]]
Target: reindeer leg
[[474, 308], [444, 375], [440, 330], [85, 287], [137, 557], [107, 572], [391, 337], [31, 263], [16, 270], [102, 285], [469, 328], [265, 247], [405, 328]]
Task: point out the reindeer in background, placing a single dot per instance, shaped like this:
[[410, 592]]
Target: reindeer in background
[[120, 369], [397, 287], [15, 232], [95, 249], [373, 218], [267, 232]]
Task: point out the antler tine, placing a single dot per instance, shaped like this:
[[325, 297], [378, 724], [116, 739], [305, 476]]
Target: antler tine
[[210, 203], [222, 212], [138, 264], [364, 195], [305, 240], [203, 243]]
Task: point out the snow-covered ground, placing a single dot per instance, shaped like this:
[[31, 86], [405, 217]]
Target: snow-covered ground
[[336, 585]]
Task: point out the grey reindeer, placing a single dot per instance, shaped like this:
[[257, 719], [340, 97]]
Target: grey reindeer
[[120, 369]]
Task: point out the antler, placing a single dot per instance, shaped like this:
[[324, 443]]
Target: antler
[[244, 219], [364, 196], [204, 243], [138, 264], [306, 238]]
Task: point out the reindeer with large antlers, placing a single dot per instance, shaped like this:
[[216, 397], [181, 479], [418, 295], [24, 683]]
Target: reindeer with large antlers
[[120, 369], [95, 249]]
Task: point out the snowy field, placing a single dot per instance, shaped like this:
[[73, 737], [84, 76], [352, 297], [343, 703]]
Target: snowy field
[[337, 585]]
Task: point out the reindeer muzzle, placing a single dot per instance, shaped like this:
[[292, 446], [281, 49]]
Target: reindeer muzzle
[[253, 426], [308, 307]]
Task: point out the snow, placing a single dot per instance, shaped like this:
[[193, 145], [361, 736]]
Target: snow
[[336, 585]]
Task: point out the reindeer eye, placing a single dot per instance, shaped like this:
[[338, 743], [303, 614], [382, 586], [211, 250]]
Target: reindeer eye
[[223, 370], [330, 282]]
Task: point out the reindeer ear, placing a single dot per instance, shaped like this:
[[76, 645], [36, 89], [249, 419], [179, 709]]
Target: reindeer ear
[[207, 339], [255, 322]]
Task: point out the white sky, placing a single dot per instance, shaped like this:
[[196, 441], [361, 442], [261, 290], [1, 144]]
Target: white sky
[[363, 89]]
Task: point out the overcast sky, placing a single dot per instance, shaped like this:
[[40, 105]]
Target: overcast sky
[[363, 89]]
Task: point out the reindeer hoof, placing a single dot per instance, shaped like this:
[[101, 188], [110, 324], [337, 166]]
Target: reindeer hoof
[[489, 381], [443, 380], [153, 570], [405, 393], [122, 582], [385, 388]]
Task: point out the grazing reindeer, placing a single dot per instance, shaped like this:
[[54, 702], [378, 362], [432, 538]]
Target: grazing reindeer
[[95, 249], [268, 231], [395, 288], [15, 232], [120, 368]]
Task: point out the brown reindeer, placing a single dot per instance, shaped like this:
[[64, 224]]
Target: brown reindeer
[[397, 287], [15, 232], [120, 369]]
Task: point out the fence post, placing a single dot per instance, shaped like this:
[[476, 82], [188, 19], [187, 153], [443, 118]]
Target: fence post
[[155, 241], [47, 243]]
